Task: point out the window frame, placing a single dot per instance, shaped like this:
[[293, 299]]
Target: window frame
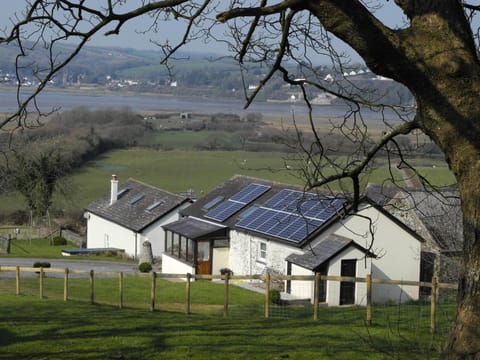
[[262, 252]]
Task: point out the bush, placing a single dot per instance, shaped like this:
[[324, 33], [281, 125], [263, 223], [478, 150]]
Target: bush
[[145, 267], [274, 296], [225, 271], [41, 264], [59, 240]]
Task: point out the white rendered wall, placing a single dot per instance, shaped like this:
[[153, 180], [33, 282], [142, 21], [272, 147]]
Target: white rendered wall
[[300, 289], [102, 233], [398, 252], [220, 260], [172, 265], [362, 268], [305, 289], [155, 234]]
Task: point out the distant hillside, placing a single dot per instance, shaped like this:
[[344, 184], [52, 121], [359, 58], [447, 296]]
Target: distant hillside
[[191, 74]]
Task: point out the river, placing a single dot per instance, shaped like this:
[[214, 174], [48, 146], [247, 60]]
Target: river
[[48, 100]]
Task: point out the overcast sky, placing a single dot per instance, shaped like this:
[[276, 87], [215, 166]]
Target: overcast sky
[[129, 38]]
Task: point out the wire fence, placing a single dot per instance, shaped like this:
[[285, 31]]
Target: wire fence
[[232, 296]]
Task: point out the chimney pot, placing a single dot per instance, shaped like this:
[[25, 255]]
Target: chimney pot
[[113, 190]]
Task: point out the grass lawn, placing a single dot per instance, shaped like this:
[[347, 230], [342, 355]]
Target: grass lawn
[[31, 328], [49, 328], [37, 248], [42, 248]]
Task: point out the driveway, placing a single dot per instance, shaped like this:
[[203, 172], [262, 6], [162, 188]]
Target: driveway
[[74, 264]]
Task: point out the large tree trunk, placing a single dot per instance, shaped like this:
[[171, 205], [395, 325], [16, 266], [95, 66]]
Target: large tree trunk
[[449, 112], [464, 339], [436, 58]]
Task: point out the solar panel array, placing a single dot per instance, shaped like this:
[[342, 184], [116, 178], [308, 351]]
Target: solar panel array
[[237, 202], [292, 215]]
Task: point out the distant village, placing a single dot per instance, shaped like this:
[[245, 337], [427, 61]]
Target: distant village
[[118, 83]]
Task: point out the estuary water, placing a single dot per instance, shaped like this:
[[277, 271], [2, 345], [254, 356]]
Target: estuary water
[[156, 103]]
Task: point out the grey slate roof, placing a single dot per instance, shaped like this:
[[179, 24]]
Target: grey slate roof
[[323, 252], [441, 214], [196, 229], [136, 215]]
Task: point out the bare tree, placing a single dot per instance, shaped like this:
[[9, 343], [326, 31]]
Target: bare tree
[[433, 54]]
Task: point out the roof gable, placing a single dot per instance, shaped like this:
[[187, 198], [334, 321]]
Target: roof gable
[[138, 205]]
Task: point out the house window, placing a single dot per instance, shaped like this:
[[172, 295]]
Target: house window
[[176, 245], [190, 250], [168, 242], [262, 252], [183, 247], [179, 246]]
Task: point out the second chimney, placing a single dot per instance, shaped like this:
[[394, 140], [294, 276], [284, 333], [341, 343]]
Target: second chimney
[[113, 190]]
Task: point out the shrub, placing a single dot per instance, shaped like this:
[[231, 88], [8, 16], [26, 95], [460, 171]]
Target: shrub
[[145, 267], [274, 296], [225, 271], [38, 264], [41, 264], [59, 240]]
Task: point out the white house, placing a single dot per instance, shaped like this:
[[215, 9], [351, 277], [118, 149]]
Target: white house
[[253, 226], [131, 214]]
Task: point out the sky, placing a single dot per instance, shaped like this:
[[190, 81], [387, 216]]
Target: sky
[[129, 38]]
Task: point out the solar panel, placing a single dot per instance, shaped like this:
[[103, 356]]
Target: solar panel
[[292, 215], [225, 210], [237, 202], [250, 193]]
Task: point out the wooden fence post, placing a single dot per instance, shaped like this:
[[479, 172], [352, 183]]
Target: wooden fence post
[[187, 293], [92, 287], [65, 285], [120, 289], [267, 296], [17, 279], [225, 299], [316, 288], [433, 306], [369, 299], [152, 293], [41, 282]]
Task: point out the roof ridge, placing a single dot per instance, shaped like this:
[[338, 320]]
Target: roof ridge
[[154, 187]]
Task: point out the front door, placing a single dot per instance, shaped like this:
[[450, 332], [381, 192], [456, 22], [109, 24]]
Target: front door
[[347, 289], [204, 258]]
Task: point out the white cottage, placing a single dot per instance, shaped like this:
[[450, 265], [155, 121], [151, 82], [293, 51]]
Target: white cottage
[[133, 213], [253, 226]]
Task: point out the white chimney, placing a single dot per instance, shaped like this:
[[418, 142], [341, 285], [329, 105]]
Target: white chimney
[[114, 190]]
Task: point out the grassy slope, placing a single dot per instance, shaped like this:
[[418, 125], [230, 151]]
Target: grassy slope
[[52, 329]]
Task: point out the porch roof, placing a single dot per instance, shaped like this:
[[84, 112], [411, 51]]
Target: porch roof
[[324, 251], [197, 229]]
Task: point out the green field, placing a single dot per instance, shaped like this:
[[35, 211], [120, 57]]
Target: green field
[[182, 170]]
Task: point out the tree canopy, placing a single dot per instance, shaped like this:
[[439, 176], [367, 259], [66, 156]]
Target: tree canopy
[[434, 53]]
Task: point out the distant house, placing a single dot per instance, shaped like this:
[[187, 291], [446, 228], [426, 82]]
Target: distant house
[[131, 214], [254, 226], [436, 216]]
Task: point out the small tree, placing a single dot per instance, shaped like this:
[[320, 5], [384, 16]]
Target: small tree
[[36, 177]]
